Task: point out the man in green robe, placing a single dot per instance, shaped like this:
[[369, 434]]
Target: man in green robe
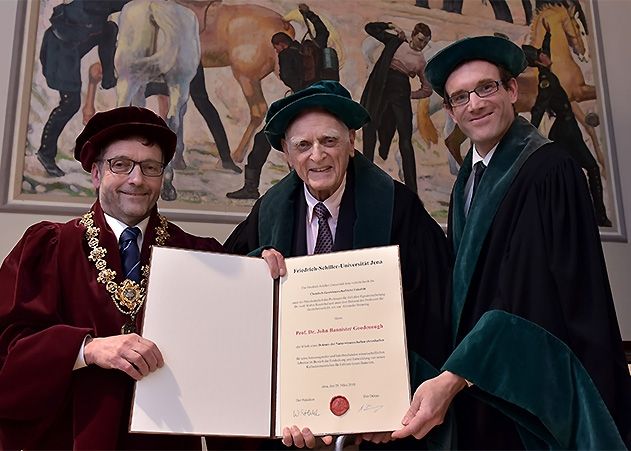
[[315, 128], [537, 360]]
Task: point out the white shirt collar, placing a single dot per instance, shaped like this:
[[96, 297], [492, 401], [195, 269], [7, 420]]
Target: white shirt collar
[[332, 203], [486, 159], [118, 227]]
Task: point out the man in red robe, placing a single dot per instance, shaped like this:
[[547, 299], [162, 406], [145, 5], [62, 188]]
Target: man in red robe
[[72, 301]]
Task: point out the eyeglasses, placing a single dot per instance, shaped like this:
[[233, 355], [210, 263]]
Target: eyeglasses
[[150, 168], [486, 89]]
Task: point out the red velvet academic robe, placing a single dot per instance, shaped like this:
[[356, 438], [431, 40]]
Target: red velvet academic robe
[[50, 301]]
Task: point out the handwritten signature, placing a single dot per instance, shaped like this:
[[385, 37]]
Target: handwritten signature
[[370, 408], [306, 413]]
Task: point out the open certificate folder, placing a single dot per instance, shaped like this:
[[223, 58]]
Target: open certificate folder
[[324, 349]]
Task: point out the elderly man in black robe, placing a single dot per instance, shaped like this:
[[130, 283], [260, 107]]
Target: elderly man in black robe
[[363, 207]]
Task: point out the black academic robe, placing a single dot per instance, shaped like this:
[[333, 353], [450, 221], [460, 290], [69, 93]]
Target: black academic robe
[[532, 313], [374, 211]]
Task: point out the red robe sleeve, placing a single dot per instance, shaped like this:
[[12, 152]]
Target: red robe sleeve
[[37, 350]]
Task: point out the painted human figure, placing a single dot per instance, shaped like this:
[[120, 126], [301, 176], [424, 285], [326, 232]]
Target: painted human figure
[[291, 67], [500, 8], [201, 100], [552, 98], [388, 92], [75, 29]]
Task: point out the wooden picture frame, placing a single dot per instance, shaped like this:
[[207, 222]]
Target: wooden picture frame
[[203, 185]]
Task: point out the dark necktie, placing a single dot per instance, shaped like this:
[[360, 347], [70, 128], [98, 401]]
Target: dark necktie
[[324, 241], [478, 171], [130, 255]]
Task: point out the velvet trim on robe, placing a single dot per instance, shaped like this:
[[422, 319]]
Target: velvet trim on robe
[[374, 211], [519, 143], [51, 301], [559, 405], [372, 227]]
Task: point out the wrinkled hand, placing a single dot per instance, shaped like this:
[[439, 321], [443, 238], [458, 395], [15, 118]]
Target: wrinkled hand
[[275, 261], [301, 438], [131, 354], [376, 437], [429, 405]]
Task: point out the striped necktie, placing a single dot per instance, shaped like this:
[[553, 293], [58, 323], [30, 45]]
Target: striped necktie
[[130, 254], [324, 241]]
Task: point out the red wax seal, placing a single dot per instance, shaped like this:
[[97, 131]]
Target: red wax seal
[[339, 405]]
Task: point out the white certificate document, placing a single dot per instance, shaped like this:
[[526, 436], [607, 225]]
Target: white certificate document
[[211, 316], [342, 360], [327, 352]]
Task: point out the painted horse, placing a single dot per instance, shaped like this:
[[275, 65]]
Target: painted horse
[[235, 36], [158, 41]]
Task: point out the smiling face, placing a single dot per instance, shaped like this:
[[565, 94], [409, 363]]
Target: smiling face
[[127, 197], [318, 146], [483, 120]]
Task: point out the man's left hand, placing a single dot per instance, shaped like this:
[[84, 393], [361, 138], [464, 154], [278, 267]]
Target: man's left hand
[[276, 262]]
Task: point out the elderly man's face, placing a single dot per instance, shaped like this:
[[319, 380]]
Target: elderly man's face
[[127, 197], [318, 146]]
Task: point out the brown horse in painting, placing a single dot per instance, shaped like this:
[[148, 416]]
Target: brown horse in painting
[[235, 36], [239, 36]]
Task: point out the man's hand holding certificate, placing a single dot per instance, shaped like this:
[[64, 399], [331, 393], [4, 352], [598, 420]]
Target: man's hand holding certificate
[[342, 343], [328, 353]]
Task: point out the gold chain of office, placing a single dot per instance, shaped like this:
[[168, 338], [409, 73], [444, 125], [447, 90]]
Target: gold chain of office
[[128, 296]]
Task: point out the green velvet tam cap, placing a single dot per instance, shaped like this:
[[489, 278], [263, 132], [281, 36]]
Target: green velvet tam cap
[[326, 94], [496, 50]]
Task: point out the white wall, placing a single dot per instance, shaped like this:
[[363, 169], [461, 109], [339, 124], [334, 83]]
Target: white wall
[[615, 15]]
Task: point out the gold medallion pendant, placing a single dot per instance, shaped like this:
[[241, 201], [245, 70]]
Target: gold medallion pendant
[[128, 296]]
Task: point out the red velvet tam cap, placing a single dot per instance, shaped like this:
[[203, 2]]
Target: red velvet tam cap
[[120, 123]]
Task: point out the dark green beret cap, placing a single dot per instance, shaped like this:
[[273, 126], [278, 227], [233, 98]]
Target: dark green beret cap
[[496, 50], [326, 94]]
